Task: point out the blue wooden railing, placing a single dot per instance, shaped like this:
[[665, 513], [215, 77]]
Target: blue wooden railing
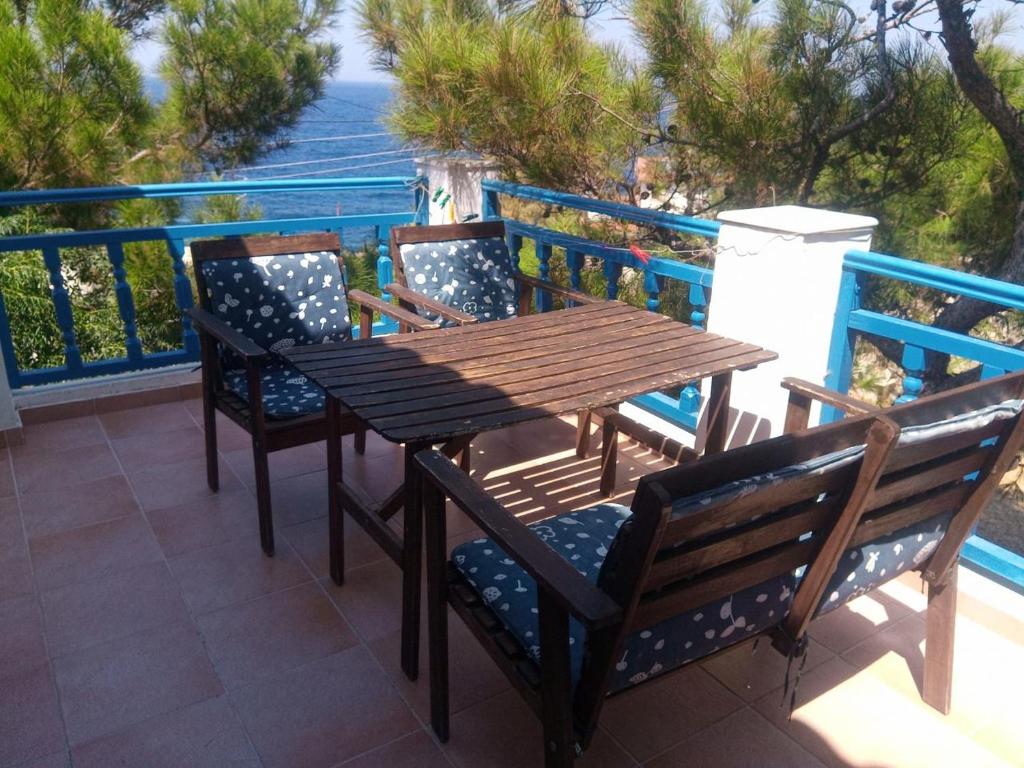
[[681, 410], [175, 237]]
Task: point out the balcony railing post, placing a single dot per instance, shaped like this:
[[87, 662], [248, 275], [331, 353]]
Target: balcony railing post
[[844, 341], [542, 299], [574, 261], [183, 295], [765, 253], [698, 305], [491, 204], [913, 363], [653, 288], [612, 273], [125, 302], [62, 308], [515, 245]]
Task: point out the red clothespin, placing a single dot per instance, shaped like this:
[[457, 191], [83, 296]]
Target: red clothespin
[[640, 253]]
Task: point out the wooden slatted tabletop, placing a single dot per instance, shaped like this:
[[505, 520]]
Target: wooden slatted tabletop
[[434, 386]]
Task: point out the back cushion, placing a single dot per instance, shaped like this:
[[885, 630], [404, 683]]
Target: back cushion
[[280, 301], [473, 276]]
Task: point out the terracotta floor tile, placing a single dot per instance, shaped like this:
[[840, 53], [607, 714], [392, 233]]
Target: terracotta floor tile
[[93, 551], [15, 567], [228, 573], [56, 760], [503, 732], [376, 475], [744, 739], [112, 685], [72, 506], [139, 451], [291, 462], [273, 633], [310, 540], [169, 485], [750, 675], [61, 435], [212, 520], [150, 419], [323, 713], [844, 627], [298, 499], [652, 717], [370, 599], [417, 749], [230, 436], [473, 676], [86, 613], [22, 646], [6, 474], [39, 471], [846, 718], [204, 735], [30, 725]]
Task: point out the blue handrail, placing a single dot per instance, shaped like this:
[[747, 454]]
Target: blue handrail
[[175, 238]]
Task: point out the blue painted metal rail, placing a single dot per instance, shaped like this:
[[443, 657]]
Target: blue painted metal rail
[[175, 238], [680, 410]]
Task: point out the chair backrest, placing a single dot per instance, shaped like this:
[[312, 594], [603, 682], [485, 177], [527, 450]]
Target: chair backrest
[[805, 511], [278, 291], [464, 266]]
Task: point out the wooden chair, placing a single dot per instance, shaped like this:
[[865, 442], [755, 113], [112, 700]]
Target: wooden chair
[[489, 286], [258, 296], [756, 540]]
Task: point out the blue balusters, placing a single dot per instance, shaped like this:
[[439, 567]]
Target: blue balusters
[[125, 302], [612, 273], [183, 294], [698, 305], [515, 245], [62, 309], [542, 299], [574, 261], [7, 347], [491, 208], [913, 363], [653, 288], [843, 343]]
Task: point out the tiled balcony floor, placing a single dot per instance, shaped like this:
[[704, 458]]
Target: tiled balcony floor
[[140, 625]]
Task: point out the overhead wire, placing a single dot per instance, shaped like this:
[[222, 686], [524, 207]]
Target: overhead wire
[[337, 159], [341, 170]]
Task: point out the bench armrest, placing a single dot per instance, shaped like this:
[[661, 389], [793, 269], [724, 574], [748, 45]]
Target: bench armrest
[[412, 298], [803, 393], [552, 573], [237, 342], [369, 304], [566, 293], [647, 437]]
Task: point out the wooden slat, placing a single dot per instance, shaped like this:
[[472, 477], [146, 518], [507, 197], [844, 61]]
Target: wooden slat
[[440, 430], [909, 455], [488, 386], [899, 516], [486, 399], [934, 474]]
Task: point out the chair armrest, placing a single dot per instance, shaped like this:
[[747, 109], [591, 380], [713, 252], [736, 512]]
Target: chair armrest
[[237, 342], [410, 296], [372, 303], [552, 573], [802, 393], [666, 446], [567, 293]]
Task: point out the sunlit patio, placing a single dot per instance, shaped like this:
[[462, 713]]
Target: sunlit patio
[[142, 625]]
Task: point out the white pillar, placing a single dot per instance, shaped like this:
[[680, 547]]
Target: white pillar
[[776, 284], [9, 418], [458, 179]]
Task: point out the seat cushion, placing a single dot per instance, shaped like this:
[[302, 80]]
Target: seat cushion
[[473, 276], [583, 539], [286, 392], [280, 301]]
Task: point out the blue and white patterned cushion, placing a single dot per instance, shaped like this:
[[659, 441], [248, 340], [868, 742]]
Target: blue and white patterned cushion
[[286, 392], [473, 276], [583, 538], [280, 301]]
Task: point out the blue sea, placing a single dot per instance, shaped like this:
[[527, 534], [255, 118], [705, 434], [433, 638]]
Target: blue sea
[[343, 135]]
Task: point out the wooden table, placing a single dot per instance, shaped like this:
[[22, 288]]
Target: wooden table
[[446, 386]]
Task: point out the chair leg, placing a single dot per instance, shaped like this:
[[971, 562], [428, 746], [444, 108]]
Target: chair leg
[[210, 431], [335, 512], [412, 561], [465, 457], [437, 607], [609, 456], [556, 686], [359, 440], [940, 630], [262, 468], [582, 434]]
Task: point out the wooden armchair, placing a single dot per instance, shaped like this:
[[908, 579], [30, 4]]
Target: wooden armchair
[[756, 540], [258, 296]]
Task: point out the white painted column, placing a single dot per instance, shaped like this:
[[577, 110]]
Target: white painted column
[[9, 418], [458, 179], [776, 284]]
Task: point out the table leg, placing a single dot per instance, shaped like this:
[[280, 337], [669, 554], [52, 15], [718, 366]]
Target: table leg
[[718, 413], [436, 538], [412, 560], [336, 515]]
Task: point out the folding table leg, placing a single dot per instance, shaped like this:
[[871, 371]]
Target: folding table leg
[[412, 560], [335, 513], [718, 413], [437, 606]]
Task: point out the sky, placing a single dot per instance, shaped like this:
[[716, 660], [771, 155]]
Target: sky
[[355, 57]]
